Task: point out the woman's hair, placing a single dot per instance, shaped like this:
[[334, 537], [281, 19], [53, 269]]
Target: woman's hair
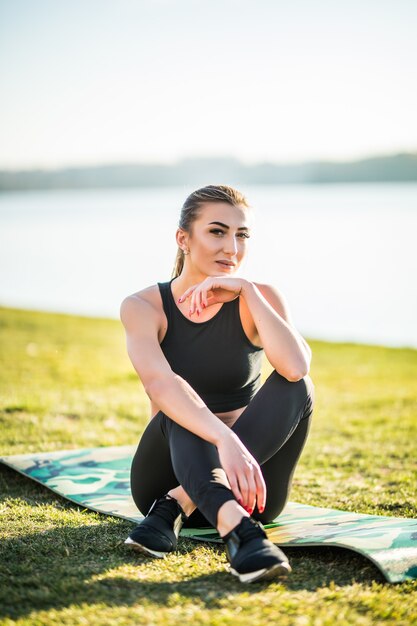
[[191, 209]]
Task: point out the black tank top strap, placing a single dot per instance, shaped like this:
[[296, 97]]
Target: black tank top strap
[[166, 296], [235, 313]]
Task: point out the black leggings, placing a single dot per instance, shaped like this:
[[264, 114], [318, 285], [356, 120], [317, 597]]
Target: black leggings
[[273, 427]]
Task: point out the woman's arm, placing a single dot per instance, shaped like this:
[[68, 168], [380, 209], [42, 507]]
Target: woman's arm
[[284, 347], [173, 395], [178, 400]]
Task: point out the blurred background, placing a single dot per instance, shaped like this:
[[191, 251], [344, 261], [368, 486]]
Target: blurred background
[[111, 113]]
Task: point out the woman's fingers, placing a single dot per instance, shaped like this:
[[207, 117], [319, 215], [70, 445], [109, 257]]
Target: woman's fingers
[[195, 301], [186, 295], [210, 300], [192, 303], [243, 472], [251, 484], [254, 491], [224, 288], [194, 296], [235, 488], [260, 490], [198, 300], [251, 498], [198, 304], [204, 298], [244, 490]]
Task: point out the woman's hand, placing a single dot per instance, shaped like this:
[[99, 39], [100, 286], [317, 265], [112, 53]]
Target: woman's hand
[[212, 290], [243, 472]]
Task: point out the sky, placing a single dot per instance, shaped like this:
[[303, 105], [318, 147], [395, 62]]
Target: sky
[[97, 81]]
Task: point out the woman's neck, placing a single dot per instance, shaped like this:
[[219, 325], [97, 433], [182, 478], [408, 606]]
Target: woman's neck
[[187, 279]]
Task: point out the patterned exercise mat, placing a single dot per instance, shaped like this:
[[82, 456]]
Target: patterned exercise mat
[[99, 479]]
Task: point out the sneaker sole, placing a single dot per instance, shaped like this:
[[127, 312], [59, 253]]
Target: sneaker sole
[[280, 570], [138, 547]]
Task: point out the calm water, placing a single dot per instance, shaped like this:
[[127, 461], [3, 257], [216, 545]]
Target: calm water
[[344, 255]]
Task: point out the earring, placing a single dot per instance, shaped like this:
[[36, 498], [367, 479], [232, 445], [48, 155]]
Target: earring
[[186, 251]]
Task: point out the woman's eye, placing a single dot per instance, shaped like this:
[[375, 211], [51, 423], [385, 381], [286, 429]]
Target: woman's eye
[[218, 231]]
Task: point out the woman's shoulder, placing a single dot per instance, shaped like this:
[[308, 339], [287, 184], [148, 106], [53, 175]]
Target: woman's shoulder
[[149, 294], [148, 298], [276, 298]]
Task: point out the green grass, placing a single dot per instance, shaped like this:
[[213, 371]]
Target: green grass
[[67, 382]]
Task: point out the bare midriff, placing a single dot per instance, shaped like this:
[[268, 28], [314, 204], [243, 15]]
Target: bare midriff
[[228, 417]]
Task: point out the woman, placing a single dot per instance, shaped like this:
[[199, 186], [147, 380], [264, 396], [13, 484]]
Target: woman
[[219, 446]]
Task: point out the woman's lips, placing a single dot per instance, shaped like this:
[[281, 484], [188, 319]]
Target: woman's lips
[[227, 265]]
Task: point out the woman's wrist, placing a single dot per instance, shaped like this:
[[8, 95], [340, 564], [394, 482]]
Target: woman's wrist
[[221, 434], [247, 288]]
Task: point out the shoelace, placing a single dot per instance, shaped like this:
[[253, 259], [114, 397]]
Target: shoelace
[[253, 531], [165, 509]]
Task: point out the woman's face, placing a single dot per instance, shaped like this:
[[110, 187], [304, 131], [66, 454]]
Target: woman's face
[[218, 239]]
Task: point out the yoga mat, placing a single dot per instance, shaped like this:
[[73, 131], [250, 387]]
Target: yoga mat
[[98, 479]]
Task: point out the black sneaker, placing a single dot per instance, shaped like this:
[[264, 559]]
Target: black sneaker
[[157, 534], [251, 555]]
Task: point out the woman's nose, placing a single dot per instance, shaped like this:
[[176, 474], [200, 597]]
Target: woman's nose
[[230, 245]]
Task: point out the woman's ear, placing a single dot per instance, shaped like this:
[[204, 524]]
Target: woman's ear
[[182, 238]]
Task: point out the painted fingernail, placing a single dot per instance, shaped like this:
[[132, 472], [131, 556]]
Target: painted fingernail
[[198, 312], [189, 313], [179, 299], [203, 305]]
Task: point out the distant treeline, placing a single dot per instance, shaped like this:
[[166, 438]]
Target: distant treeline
[[203, 171]]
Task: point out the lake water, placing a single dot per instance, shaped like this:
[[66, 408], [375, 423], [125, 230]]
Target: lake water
[[344, 255]]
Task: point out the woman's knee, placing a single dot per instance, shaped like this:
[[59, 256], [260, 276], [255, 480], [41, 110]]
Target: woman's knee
[[147, 480], [309, 385], [303, 387], [309, 392], [297, 391]]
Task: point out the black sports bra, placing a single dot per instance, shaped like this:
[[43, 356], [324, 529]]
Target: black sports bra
[[215, 357]]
